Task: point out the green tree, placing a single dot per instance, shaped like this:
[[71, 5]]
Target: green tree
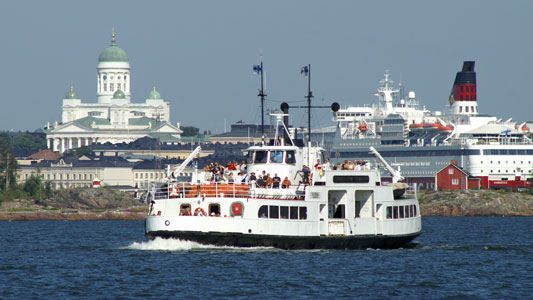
[[34, 187], [79, 152], [189, 131], [29, 141], [8, 166]]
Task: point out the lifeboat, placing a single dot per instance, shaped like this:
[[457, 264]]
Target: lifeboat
[[416, 125], [363, 127], [525, 128]]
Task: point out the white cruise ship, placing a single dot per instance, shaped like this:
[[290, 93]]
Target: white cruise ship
[[421, 142]]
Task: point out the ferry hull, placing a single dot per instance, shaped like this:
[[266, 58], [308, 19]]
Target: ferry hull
[[289, 242]]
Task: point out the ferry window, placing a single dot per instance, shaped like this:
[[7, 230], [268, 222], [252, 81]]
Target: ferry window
[[412, 210], [284, 212], [293, 212], [407, 211], [263, 212], [401, 212], [389, 212], [250, 157], [214, 209], [273, 212], [303, 213], [339, 212], [291, 159], [260, 157], [351, 179], [185, 210], [396, 212], [276, 156]]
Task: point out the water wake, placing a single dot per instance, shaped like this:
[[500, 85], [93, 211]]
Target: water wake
[[160, 244]]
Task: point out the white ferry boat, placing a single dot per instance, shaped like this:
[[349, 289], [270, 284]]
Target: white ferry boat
[[422, 142], [337, 209]]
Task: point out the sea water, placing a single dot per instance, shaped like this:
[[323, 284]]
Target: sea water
[[455, 258]]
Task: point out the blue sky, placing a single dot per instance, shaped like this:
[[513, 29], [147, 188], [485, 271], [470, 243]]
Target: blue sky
[[200, 54]]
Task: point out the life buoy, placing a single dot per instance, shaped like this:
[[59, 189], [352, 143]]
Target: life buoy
[[199, 212], [167, 222]]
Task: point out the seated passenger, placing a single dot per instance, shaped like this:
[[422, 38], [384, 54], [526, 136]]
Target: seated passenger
[[286, 183]]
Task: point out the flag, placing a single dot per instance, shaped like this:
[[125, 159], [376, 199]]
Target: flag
[[506, 132], [257, 69], [304, 70]]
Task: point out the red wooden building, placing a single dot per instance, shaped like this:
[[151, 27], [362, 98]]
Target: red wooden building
[[453, 177]]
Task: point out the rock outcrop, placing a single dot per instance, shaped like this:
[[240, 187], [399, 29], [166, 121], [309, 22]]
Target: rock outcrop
[[475, 203]]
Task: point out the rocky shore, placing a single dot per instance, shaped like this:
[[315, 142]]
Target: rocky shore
[[76, 204], [475, 203], [104, 204]]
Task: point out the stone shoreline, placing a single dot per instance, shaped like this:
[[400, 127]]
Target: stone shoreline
[[57, 215]]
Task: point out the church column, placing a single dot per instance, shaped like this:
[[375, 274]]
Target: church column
[[56, 144], [49, 143], [62, 145], [70, 143]]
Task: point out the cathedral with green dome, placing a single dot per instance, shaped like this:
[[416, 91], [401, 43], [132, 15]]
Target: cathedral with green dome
[[113, 117]]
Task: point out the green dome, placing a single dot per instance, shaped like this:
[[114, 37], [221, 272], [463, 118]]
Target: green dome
[[154, 94], [119, 95], [113, 53], [72, 94]]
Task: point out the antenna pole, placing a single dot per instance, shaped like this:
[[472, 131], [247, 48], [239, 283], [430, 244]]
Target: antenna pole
[[262, 95], [309, 96]]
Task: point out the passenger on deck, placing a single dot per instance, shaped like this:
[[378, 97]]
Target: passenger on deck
[[326, 166], [253, 179], [286, 183], [268, 181], [305, 173], [276, 181], [243, 166], [230, 178], [260, 182], [318, 166], [245, 178]]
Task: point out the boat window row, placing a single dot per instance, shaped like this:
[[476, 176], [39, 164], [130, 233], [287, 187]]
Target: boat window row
[[410, 153], [282, 212], [273, 157], [361, 114], [507, 152], [401, 211]]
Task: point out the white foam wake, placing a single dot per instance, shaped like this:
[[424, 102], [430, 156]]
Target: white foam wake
[[160, 244]]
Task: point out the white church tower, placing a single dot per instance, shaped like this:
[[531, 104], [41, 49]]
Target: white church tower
[[113, 72]]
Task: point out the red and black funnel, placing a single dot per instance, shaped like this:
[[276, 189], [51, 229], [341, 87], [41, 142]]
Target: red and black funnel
[[464, 87]]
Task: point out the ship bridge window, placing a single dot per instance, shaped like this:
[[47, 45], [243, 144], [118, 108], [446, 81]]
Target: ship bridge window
[[260, 157], [290, 158], [276, 156], [351, 179]]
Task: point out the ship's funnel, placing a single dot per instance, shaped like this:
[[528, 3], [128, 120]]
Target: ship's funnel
[[463, 98]]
